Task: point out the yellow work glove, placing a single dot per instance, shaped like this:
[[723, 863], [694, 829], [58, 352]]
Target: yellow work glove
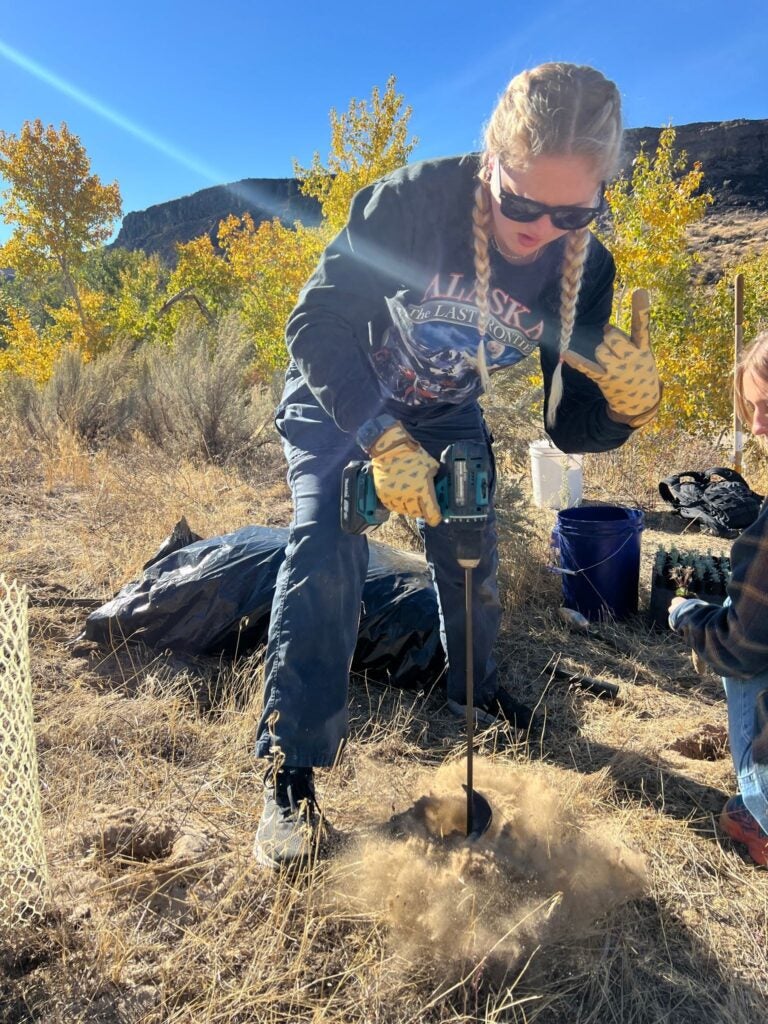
[[404, 475], [624, 368]]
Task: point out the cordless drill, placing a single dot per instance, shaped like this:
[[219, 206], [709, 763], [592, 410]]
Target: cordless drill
[[462, 487]]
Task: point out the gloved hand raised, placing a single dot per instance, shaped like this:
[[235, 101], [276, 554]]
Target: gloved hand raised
[[404, 475], [624, 368]]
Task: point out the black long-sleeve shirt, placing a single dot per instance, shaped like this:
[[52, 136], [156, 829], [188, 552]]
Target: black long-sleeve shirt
[[733, 640], [387, 322]]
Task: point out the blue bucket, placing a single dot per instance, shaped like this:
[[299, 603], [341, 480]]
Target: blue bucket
[[598, 551]]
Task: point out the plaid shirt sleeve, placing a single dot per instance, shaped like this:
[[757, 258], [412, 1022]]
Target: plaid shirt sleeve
[[733, 640]]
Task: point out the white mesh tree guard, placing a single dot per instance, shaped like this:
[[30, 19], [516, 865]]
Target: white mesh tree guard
[[24, 886]]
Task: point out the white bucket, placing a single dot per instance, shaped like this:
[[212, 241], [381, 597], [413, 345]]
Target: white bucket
[[557, 477]]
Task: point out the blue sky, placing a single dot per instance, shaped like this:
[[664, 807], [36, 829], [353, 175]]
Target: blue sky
[[171, 97]]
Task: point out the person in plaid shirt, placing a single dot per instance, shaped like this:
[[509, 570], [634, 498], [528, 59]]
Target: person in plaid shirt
[[733, 639]]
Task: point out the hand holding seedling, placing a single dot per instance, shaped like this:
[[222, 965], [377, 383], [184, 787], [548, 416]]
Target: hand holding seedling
[[696, 660], [624, 367]]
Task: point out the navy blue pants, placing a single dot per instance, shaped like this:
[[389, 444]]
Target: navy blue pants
[[316, 607]]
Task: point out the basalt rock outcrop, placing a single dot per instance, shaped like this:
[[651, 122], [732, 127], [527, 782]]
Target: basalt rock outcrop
[[733, 155], [159, 228]]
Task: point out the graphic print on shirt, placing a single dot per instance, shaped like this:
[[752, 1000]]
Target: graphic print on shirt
[[429, 353]]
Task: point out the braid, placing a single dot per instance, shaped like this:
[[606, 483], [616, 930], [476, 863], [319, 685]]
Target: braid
[[576, 247], [481, 226]]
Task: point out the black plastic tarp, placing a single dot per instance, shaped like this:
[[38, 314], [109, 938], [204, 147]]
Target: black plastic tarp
[[204, 597]]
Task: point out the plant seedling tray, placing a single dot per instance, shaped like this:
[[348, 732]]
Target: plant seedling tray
[[701, 575]]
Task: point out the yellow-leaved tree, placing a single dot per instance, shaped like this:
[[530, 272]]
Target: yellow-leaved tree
[[135, 286], [367, 142], [648, 237], [202, 283], [61, 213], [650, 216], [271, 263], [25, 351], [713, 332], [754, 267], [58, 210]]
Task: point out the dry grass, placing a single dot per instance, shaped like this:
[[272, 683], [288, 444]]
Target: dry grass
[[602, 895], [192, 398], [725, 237]]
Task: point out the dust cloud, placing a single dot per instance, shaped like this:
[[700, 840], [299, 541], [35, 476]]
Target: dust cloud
[[537, 876]]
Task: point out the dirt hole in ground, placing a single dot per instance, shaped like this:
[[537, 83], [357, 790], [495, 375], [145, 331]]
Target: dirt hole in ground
[[709, 743], [128, 834], [19, 960]]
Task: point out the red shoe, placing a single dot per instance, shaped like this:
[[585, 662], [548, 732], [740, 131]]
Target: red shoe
[[738, 823]]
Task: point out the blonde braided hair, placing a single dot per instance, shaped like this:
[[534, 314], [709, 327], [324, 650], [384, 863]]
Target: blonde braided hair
[[576, 248], [481, 231], [552, 110]]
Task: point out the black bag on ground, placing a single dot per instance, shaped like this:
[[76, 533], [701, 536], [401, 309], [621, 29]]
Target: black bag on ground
[[207, 597], [719, 499]]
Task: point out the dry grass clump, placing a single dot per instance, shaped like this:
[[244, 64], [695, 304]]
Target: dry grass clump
[[630, 475], [192, 398], [602, 893], [92, 401], [85, 522]]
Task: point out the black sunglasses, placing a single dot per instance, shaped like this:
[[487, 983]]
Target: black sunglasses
[[566, 218]]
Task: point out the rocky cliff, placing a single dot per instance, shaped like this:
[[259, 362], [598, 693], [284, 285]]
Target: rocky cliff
[[733, 154], [160, 227]]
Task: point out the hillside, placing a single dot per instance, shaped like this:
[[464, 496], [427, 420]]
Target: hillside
[[726, 235], [160, 228], [734, 155]]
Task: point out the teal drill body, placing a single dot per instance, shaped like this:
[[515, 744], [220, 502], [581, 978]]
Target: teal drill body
[[462, 487]]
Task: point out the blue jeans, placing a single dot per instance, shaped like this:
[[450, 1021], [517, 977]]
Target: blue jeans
[[741, 695], [316, 607]]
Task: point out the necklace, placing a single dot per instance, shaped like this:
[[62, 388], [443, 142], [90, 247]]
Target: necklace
[[512, 257]]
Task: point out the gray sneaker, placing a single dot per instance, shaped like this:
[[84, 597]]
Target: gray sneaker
[[288, 825]]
